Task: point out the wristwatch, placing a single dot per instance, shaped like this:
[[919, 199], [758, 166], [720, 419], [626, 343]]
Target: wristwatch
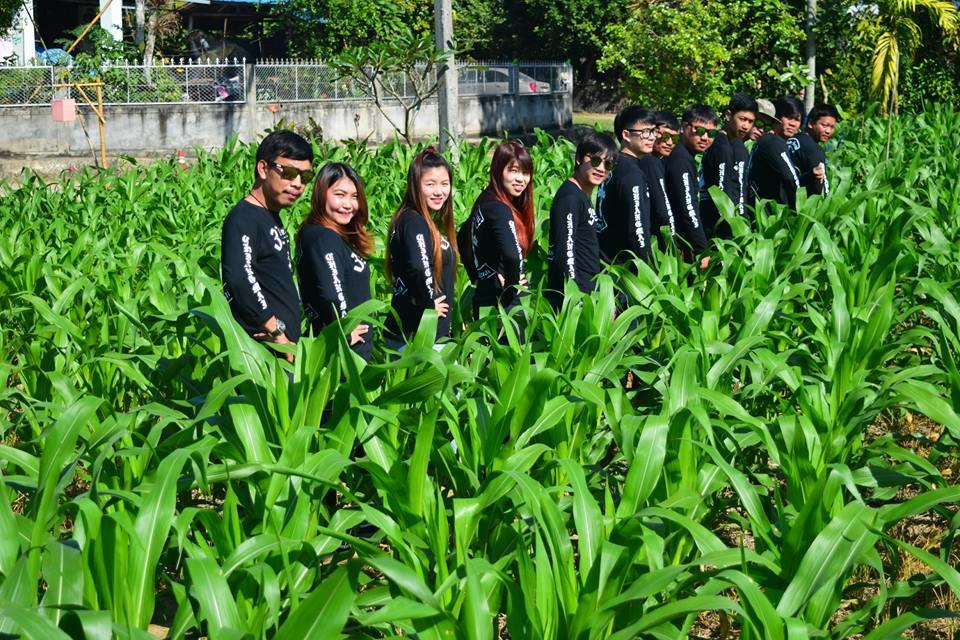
[[281, 328]]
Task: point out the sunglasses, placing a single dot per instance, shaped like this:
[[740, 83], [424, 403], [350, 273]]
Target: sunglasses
[[596, 161], [671, 137], [703, 131], [290, 173], [650, 132]]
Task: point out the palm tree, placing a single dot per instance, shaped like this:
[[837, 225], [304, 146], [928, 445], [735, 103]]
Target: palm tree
[[900, 36]]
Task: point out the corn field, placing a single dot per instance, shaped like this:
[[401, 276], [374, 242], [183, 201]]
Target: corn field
[[781, 466]]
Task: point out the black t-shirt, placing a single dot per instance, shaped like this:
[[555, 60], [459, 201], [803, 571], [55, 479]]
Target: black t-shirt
[[256, 271], [740, 160], [574, 248], [683, 189], [496, 250], [414, 282], [717, 171], [623, 212], [772, 174], [806, 154], [661, 213], [333, 280]]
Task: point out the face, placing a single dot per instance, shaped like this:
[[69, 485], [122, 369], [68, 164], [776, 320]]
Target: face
[[741, 123], [757, 131], [342, 201], [665, 142], [698, 135], [822, 130], [789, 125], [639, 138], [435, 187], [283, 191], [514, 180], [594, 175]]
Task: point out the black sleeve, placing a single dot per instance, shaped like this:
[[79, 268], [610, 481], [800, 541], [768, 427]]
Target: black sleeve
[[727, 174], [661, 213], [238, 254], [415, 259], [633, 192], [683, 193], [564, 213], [328, 269], [789, 180], [503, 232]]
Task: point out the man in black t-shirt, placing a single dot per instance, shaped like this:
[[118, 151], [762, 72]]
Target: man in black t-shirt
[[255, 249], [698, 128], [623, 200], [772, 174], [807, 153], [725, 164]]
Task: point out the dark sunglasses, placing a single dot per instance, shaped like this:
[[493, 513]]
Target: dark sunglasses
[[290, 173], [703, 131], [672, 137], [596, 161]]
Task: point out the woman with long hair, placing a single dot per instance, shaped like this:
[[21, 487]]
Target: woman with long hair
[[332, 247], [421, 250], [501, 228]]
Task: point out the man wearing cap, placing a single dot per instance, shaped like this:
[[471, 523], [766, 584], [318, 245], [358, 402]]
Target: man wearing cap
[[772, 174]]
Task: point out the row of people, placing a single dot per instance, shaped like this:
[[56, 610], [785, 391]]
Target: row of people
[[648, 187]]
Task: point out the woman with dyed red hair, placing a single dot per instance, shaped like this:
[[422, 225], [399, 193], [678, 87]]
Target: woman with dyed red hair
[[500, 229]]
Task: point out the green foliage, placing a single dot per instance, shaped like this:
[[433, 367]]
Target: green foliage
[[8, 14], [325, 28], [766, 461], [672, 55]]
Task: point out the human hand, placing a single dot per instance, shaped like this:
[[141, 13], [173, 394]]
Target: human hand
[[819, 172], [441, 306], [705, 262], [357, 334]]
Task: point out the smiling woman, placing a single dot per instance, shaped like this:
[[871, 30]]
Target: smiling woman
[[332, 247]]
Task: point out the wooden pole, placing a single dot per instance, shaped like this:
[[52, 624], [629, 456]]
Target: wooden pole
[[100, 121], [96, 18]]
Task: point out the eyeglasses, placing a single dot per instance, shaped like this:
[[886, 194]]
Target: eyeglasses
[[290, 173], [596, 161], [648, 133], [672, 137], [703, 131]]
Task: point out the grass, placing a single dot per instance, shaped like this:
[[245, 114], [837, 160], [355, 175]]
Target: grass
[[602, 121]]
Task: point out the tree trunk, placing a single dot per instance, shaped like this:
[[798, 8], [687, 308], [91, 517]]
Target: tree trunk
[[140, 18], [149, 44], [811, 23]]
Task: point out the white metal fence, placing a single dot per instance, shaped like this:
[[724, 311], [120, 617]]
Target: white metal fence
[[189, 81]]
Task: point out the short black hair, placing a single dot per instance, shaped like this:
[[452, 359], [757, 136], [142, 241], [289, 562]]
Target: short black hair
[[666, 119], [701, 112], [822, 110], [283, 143], [789, 106], [742, 102], [629, 116], [594, 143]]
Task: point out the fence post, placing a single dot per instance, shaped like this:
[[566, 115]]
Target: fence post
[[249, 129], [514, 79]]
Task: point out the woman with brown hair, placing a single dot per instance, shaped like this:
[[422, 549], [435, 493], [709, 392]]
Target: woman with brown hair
[[421, 251], [332, 247], [497, 236]]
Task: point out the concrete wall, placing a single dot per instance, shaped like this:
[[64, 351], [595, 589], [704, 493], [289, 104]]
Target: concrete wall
[[149, 129]]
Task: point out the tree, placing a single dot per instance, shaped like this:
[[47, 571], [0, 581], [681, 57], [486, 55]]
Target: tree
[[8, 14], [899, 37], [402, 70]]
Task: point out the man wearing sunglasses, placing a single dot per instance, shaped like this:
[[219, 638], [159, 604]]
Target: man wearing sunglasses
[[725, 164], [668, 134], [772, 173], [623, 202], [255, 249], [698, 128]]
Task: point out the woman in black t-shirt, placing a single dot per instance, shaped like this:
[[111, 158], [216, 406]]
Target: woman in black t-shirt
[[498, 234], [421, 251], [332, 247]]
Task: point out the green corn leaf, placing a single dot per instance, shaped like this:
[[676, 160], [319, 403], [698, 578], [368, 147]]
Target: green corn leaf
[[324, 612]]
